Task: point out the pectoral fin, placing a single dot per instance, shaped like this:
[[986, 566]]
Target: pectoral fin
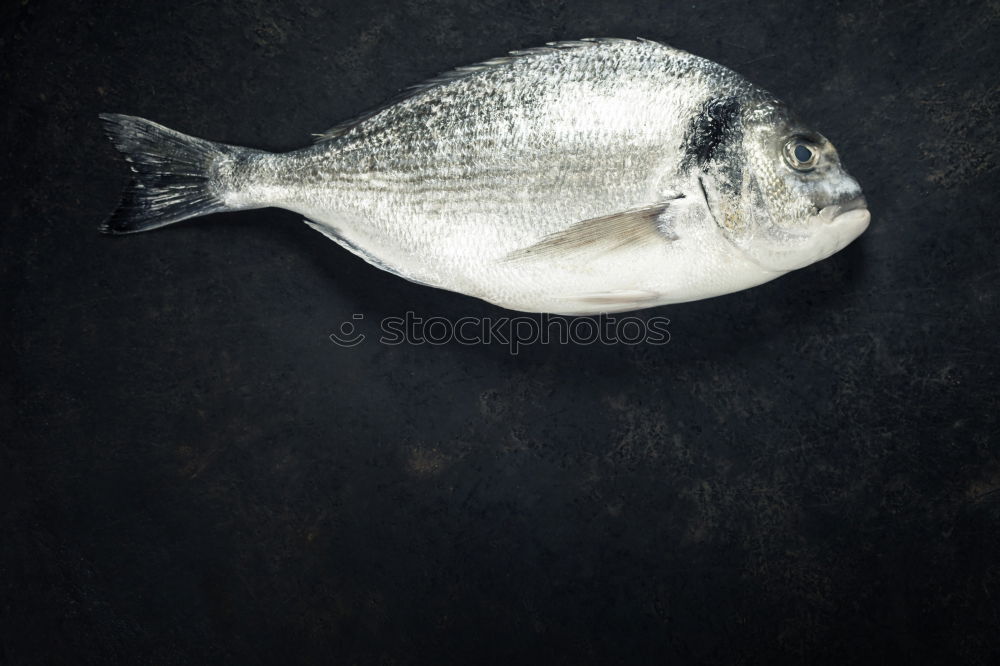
[[618, 231]]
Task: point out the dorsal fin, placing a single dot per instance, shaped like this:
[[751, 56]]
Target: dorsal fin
[[470, 70]]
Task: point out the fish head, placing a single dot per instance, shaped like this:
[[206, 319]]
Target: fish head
[[779, 191]]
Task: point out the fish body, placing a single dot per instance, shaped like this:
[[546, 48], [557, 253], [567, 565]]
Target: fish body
[[583, 177]]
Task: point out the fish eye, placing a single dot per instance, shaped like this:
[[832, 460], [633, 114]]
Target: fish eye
[[801, 155]]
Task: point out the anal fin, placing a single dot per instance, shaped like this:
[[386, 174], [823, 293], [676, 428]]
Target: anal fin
[[333, 235]]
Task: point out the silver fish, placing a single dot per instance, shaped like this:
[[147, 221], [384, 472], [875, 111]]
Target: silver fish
[[601, 175]]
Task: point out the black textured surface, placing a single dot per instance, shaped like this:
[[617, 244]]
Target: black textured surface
[[191, 472]]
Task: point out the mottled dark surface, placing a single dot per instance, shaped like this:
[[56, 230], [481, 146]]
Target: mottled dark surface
[[191, 471]]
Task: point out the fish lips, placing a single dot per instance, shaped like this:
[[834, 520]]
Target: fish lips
[[852, 212], [835, 227], [826, 232]]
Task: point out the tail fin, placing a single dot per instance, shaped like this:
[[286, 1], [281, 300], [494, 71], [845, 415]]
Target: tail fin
[[172, 175]]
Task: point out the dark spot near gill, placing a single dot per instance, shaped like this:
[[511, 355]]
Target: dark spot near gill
[[710, 131]]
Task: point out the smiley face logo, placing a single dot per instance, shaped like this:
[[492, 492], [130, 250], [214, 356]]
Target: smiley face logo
[[347, 335]]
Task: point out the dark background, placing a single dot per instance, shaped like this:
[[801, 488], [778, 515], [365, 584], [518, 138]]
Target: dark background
[[191, 471]]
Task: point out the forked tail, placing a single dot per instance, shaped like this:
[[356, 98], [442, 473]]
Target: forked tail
[[174, 176]]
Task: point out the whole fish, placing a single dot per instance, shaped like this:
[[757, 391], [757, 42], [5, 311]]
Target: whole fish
[[600, 175]]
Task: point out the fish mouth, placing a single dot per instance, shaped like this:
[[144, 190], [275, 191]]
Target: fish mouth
[[828, 231], [854, 212]]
